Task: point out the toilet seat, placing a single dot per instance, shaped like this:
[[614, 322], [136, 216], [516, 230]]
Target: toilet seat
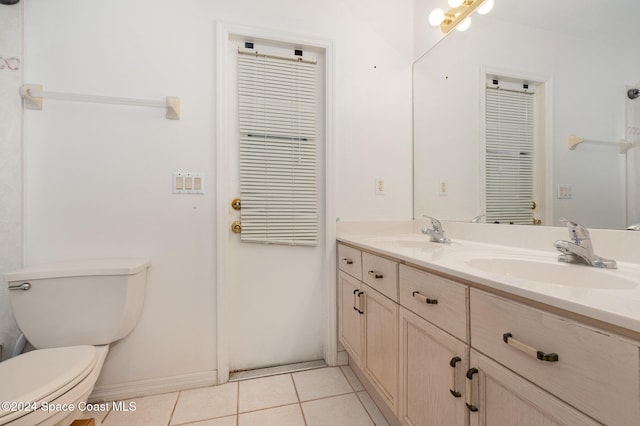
[[41, 376]]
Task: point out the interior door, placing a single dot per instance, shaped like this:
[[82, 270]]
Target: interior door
[[275, 307]]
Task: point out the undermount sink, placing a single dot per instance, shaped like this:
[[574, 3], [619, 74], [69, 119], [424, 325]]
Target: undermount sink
[[555, 273]]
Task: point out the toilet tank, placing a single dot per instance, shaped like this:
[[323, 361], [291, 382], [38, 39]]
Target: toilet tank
[[80, 302]]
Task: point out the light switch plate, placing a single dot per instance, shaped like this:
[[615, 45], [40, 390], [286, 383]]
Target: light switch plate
[[187, 183], [565, 191]]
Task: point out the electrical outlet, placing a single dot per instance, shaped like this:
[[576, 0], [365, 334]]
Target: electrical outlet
[[379, 186], [443, 188]]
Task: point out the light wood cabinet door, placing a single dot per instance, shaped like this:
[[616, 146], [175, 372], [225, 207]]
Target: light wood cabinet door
[[350, 299], [504, 398], [593, 370], [432, 371], [381, 344]]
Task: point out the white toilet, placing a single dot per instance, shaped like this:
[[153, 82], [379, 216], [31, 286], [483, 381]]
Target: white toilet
[[70, 312]]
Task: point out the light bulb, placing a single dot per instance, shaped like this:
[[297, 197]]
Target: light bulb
[[436, 17], [486, 7], [455, 3], [464, 25]]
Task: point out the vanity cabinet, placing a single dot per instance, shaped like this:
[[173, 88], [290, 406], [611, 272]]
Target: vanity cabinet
[[432, 369], [595, 371], [349, 316], [380, 360], [368, 320], [439, 300], [380, 274], [350, 261], [440, 352], [433, 348], [500, 397]]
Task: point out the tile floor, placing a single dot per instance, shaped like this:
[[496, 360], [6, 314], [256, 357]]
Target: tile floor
[[324, 396]]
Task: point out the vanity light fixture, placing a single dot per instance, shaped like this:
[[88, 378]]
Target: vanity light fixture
[[458, 14]]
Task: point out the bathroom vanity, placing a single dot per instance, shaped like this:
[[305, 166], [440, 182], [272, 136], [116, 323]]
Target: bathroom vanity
[[480, 333]]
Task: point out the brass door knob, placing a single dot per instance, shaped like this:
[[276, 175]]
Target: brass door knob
[[236, 227], [236, 204]]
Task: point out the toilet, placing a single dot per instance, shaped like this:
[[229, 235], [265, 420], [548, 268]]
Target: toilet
[[70, 312]]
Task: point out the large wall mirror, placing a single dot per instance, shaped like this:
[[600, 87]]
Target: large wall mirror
[[576, 60]]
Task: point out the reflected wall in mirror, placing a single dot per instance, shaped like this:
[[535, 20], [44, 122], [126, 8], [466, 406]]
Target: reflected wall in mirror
[[580, 69]]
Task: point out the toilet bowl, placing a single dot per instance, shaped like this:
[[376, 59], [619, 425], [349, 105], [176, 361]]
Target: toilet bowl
[[70, 312]]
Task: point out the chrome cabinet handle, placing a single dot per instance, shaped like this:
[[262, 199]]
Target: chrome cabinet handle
[[23, 287], [516, 344], [376, 275], [452, 389], [347, 261], [424, 299], [469, 402]]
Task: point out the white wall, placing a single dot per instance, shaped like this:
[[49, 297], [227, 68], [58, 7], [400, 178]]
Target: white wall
[[425, 36], [588, 81], [97, 177], [10, 164]]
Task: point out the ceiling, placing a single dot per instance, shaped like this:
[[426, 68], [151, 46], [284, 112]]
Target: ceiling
[[611, 21]]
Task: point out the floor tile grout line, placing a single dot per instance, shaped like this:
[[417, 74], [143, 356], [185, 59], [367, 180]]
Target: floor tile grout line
[[173, 410], [238, 404], [105, 417], [191, 422], [295, 388], [268, 408], [358, 396], [327, 397]]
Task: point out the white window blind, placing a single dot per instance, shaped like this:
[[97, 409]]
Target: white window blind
[[278, 178], [509, 157]]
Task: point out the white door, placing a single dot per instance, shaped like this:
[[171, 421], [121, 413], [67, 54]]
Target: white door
[[275, 294]]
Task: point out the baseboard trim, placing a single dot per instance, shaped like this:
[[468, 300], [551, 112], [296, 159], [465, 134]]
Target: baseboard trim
[[343, 358], [157, 386]]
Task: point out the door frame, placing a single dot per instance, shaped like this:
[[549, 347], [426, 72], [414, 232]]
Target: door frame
[[223, 33], [544, 131]]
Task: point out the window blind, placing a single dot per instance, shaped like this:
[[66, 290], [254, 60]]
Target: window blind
[[509, 156], [278, 177]]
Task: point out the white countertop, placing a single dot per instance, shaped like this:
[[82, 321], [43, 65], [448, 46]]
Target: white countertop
[[614, 296]]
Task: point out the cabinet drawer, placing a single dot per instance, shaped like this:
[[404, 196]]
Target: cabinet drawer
[[438, 300], [596, 372], [350, 261], [381, 274]]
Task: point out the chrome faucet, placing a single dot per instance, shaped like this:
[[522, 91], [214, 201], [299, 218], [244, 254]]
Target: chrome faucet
[[478, 218], [580, 250], [436, 234]]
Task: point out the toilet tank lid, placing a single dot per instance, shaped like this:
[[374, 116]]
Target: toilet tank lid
[[80, 268]]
